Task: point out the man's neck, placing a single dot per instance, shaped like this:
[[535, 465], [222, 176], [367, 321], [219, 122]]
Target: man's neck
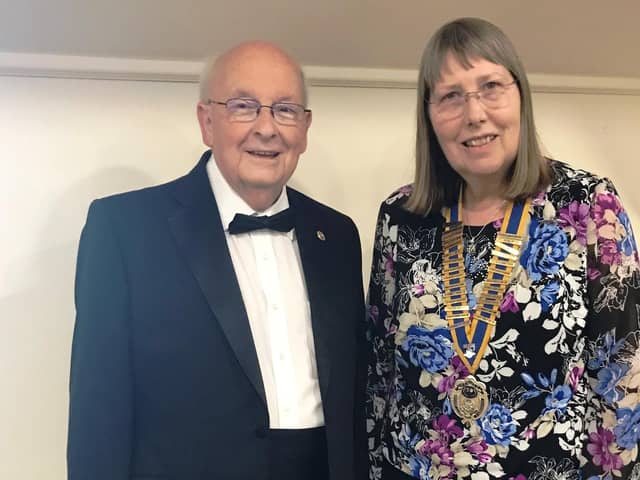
[[260, 200]]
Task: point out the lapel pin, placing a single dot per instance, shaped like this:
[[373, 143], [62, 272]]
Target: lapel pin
[[320, 235]]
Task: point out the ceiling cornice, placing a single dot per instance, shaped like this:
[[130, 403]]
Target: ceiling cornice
[[102, 68]]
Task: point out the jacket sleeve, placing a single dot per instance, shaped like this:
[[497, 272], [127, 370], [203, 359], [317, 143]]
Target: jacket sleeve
[[101, 380], [613, 357], [361, 464], [380, 341]]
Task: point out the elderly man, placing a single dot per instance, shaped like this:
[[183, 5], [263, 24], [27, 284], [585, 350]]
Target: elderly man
[[218, 314]]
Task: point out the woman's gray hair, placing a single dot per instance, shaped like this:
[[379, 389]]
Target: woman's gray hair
[[436, 184]]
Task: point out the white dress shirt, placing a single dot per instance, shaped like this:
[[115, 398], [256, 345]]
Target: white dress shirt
[[271, 279]]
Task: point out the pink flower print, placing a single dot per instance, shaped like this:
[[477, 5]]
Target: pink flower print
[[608, 252], [575, 217], [439, 449], [446, 383], [509, 303], [389, 265], [601, 448], [459, 371], [574, 377], [593, 273], [480, 450], [417, 289], [603, 202], [447, 427]]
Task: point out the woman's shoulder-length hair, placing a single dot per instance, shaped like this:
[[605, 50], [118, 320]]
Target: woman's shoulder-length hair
[[436, 184]]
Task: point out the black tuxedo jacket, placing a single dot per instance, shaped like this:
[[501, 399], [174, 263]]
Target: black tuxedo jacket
[[165, 382]]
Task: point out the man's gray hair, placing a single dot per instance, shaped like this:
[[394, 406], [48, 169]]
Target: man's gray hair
[[207, 72]]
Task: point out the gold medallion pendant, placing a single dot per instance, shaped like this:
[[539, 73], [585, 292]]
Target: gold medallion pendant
[[471, 332], [469, 399]]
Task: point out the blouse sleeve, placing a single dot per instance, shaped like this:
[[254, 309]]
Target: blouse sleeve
[[379, 336], [612, 356]]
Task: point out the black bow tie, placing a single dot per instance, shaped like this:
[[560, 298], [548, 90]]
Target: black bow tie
[[281, 222]]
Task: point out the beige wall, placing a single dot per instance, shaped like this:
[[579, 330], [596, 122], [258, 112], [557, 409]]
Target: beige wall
[[65, 142]]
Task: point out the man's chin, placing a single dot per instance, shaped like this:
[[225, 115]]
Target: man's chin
[[265, 184], [261, 194]]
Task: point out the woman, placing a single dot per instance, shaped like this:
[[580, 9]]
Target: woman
[[503, 297]]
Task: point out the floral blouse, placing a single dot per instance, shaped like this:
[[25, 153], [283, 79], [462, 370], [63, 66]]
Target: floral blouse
[[562, 368]]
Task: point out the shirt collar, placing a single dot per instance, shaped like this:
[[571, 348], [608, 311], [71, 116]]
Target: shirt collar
[[230, 203]]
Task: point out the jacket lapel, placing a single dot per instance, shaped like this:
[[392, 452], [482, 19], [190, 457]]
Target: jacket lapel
[[313, 242], [198, 231]]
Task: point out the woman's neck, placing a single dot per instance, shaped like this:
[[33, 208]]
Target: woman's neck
[[482, 204]]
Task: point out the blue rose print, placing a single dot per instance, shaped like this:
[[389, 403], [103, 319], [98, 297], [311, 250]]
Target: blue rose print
[[498, 425], [606, 348], [628, 244], [608, 379], [628, 430], [420, 466], [549, 294], [430, 350], [546, 250], [559, 399]]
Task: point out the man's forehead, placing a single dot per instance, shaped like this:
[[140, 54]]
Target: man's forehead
[[255, 56], [250, 72]]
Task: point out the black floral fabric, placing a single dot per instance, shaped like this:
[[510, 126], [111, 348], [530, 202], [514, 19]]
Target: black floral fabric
[[562, 367]]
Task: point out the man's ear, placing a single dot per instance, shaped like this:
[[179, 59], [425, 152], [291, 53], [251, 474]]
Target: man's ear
[[309, 118], [206, 123], [305, 126]]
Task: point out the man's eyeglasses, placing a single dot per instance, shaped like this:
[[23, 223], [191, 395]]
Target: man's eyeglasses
[[247, 110], [451, 105]]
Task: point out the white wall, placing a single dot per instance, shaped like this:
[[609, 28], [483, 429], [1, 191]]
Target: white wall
[[65, 142]]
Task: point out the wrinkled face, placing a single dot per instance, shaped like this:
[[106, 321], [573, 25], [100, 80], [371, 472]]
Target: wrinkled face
[[482, 142], [258, 157]]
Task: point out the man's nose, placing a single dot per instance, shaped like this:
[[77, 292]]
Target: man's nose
[[265, 123]]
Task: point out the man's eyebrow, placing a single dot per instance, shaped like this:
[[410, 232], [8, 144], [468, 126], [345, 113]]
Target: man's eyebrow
[[285, 98], [247, 95], [242, 94]]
